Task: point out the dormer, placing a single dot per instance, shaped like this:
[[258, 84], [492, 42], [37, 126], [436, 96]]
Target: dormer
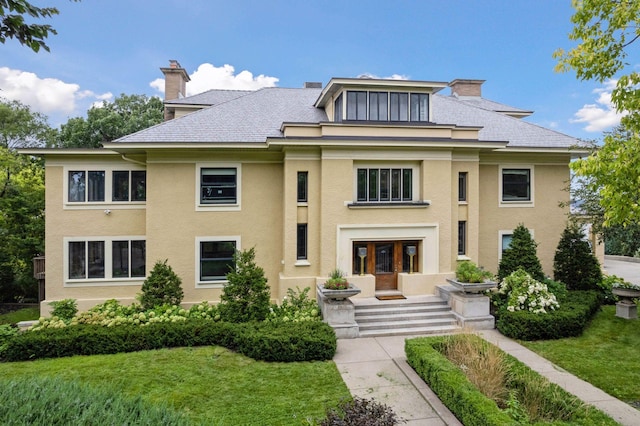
[[378, 100]]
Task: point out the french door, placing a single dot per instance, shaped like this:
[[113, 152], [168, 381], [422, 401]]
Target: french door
[[384, 260]]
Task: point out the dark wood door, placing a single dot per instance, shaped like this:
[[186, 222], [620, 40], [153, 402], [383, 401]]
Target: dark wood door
[[384, 259], [385, 267]]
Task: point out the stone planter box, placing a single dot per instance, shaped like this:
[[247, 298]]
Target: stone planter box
[[628, 293], [472, 288], [338, 294], [626, 308]]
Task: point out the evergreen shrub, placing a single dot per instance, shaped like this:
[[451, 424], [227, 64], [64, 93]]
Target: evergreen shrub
[[521, 254], [162, 287], [283, 342], [574, 263], [246, 297]]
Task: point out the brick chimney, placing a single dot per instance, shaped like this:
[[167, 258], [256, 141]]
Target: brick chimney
[[462, 87], [175, 85]]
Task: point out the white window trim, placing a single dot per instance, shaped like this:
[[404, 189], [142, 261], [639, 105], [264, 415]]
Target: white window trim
[[415, 180], [504, 232], [219, 207], [530, 203], [108, 279], [108, 188], [218, 283]]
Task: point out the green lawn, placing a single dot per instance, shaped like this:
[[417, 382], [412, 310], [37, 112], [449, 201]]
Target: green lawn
[[211, 385], [25, 314], [607, 355]]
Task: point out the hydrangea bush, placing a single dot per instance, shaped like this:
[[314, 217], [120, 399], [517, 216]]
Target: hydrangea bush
[[295, 307], [523, 293]]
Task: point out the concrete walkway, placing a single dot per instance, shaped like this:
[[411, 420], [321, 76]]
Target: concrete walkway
[[376, 367]]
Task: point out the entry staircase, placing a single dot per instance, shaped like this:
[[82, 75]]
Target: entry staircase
[[413, 315]]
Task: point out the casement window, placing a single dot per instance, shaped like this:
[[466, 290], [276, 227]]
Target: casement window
[[303, 186], [86, 186], [218, 186], [129, 185], [462, 238], [105, 259], [356, 105], [337, 109], [399, 106], [383, 106], [92, 186], [378, 106], [516, 184], [384, 184], [301, 241], [462, 186], [215, 258], [419, 107]]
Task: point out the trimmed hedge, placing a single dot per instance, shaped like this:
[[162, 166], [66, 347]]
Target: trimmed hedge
[[569, 320], [471, 407], [282, 342]]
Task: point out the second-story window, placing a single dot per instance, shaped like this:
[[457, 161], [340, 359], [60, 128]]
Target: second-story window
[[218, 186], [462, 186], [384, 185], [302, 186]]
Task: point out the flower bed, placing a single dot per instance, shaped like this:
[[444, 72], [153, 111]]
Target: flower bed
[[472, 407]]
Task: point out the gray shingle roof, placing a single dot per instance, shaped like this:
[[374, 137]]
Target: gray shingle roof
[[254, 116]]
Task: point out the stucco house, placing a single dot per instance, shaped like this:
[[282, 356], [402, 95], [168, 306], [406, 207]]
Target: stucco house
[[313, 178]]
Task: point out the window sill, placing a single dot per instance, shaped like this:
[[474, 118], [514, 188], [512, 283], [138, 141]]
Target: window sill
[[218, 207], [462, 257], [463, 203], [517, 204], [391, 205], [302, 262], [211, 284], [121, 205], [101, 282], [303, 203]]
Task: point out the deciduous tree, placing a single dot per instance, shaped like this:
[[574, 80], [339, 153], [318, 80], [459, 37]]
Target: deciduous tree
[[605, 31]]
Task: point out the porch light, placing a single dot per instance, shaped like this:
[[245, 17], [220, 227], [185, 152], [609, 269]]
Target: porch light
[[362, 252], [411, 251]]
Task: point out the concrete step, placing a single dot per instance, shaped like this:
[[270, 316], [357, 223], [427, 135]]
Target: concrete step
[[414, 315], [401, 315], [439, 329]]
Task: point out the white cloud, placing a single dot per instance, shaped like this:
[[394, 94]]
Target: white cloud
[[601, 115], [49, 96], [391, 77], [208, 77]]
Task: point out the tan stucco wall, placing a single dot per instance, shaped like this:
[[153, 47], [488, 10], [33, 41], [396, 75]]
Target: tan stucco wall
[[546, 219]]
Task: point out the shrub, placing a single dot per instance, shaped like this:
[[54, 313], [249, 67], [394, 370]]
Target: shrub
[[558, 288], [162, 287], [283, 342], [606, 285], [574, 263], [523, 293], [360, 411], [7, 331], [569, 320], [296, 306], [530, 396], [469, 272], [521, 254], [246, 296], [53, 401], [64, 309]]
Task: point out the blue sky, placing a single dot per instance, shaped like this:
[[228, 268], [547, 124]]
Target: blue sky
[[105, 48]]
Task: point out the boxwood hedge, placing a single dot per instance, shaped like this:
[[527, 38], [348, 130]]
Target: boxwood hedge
[[282, 342], [473, 408], [569, 320]]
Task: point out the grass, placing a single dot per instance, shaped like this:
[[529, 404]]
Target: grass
[[606, 355], [25, 314], [210, 385]]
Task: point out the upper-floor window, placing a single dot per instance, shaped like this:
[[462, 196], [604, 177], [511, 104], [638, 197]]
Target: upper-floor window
[[218, 185], [91, 186], [516, 184], [382, 106], [129, 185], [302, 186], [462, 186], [384, 185]]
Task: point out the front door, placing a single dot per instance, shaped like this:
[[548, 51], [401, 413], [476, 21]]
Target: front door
[[384, 259]]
